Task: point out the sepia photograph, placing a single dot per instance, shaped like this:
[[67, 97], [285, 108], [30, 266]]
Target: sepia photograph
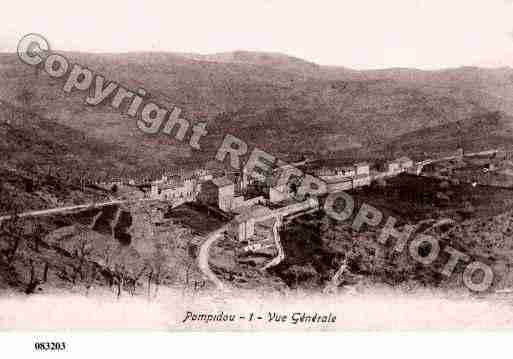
[[256, 166]]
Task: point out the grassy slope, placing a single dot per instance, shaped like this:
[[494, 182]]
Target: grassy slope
[[42, 161], [270, 100], [79, 254], [492, 130], [482, 228]]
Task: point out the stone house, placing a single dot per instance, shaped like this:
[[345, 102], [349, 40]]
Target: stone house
[[218, 192]]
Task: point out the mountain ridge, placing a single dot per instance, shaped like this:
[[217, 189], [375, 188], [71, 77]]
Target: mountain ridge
[[269, 100]]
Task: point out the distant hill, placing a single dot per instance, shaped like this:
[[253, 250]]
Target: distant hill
[[490, 131], [279, 103], [267, 59]]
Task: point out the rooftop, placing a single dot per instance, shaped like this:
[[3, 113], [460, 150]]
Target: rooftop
[[222, 181], [360, 164], [255, 211]]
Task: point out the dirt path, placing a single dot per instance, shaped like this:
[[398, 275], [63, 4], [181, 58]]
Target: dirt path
[[277, 242], [44, 212], [204, 255]]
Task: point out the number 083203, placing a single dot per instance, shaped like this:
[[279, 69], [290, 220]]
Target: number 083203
[[49, 346]]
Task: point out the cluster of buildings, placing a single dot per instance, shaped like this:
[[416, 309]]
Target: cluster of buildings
[[228, 191], [218, 189], [360, 174], [255, 206], [178, 186], [252, 203], [243, 227], [160, 177], [221, 192]]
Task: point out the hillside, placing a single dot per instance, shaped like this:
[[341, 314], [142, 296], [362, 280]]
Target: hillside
[[44, 164], [270, 100], [95, 249], [476, 220], [490, 131]]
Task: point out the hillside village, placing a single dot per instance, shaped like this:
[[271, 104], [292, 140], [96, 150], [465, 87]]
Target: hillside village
[[256, 210], [256, 216]]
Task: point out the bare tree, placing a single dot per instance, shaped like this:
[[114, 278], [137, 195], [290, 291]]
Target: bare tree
[[33, 282], [149, 275], [45, 272], [11, 237], [82, 252], [157, 269], [191, 250], [25, 97], [185, 240]]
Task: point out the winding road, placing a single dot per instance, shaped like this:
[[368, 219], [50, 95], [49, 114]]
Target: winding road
[[277, 242], [204, 254], [44, 212]]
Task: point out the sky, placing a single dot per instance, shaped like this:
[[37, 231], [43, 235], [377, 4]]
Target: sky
[[360, 34]]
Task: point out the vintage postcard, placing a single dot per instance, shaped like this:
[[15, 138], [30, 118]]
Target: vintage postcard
[[256, 166]]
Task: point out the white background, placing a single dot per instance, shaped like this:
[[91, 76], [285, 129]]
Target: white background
[[259, 345]]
